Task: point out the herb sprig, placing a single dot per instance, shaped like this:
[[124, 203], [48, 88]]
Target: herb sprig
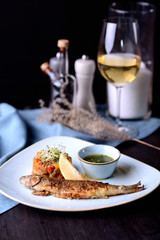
[[52, 153]]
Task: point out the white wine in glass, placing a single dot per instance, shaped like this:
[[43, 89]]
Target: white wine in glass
[[119, 57]]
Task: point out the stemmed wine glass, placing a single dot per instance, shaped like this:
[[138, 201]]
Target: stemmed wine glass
[[119, 57]]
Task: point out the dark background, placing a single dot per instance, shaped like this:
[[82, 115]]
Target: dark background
[[29, 30]]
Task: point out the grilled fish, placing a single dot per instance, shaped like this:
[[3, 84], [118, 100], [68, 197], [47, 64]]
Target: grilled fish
[[75, 189]]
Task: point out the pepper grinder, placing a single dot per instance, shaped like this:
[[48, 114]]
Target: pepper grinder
[[85, 69]]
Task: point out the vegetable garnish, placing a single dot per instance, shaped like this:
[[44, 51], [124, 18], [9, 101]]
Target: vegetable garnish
[[51, 153]]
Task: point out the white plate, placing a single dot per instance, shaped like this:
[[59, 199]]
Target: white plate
[[128, 171]]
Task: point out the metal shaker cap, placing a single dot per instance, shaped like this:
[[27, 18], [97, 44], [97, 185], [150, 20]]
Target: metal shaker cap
[[85, 65], [85, 57]]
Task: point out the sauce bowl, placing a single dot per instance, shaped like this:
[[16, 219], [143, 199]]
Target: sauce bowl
[[99, 170]]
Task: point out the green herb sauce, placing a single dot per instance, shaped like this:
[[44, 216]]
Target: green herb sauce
[[98, 158]]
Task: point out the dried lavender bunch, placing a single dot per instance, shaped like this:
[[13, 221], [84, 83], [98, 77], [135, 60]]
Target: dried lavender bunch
[[82, 120]]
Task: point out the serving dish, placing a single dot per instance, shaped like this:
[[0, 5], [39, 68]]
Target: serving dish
[[100, 170], [128, 171]]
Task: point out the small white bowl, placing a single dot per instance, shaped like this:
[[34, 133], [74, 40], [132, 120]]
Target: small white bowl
[[99, 170]]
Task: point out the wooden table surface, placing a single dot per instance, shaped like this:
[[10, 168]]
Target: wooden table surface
[[138, 220]]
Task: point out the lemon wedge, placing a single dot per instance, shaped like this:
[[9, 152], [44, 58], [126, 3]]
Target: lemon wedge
[[68, 170]]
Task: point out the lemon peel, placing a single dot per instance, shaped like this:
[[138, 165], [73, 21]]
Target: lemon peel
[[67, 169]]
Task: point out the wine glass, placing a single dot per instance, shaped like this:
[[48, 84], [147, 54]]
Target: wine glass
[[119, 57]]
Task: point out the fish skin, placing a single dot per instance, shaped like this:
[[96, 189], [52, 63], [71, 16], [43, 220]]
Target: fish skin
[[75, 189]]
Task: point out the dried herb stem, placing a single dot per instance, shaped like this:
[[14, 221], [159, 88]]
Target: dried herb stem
[[147, 144], [89, 122]]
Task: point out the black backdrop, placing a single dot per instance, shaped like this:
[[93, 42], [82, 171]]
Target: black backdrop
[[29, 30]]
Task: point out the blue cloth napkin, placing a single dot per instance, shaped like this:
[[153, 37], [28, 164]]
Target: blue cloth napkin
[[13, 137], [19, 128], [13, 132]]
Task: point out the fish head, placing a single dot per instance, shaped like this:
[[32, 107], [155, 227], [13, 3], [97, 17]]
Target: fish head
[[30, 180]]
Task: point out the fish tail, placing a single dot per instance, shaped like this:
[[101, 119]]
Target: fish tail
[[123, 189]]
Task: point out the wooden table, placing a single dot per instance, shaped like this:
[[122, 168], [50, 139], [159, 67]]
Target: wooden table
[[138, 220]]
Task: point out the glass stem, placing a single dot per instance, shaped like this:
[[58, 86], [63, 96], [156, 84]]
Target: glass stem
[[119, 123]]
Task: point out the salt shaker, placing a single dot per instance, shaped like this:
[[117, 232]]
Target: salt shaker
[[85, 69]]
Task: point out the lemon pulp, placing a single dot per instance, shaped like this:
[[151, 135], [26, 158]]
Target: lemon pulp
[[67, 169]]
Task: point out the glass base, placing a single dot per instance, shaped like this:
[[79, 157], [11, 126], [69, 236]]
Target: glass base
[[129, 130]]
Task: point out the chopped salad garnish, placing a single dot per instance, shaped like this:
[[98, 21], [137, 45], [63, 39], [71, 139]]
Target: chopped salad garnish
[[46, 161]]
